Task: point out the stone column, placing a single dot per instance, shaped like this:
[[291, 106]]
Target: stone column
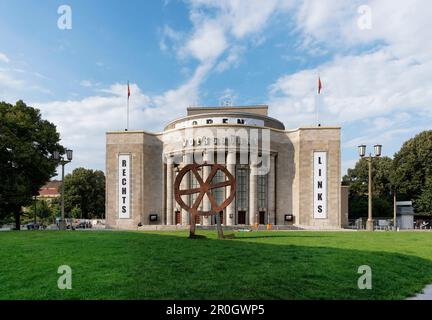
[[271, 189], [230, 210], [206, 221], [175, 204], [208, 158], [253, 199], [187, 159], [169, 190]]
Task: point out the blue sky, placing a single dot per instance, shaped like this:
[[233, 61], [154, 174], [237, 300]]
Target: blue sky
[[374, 59]]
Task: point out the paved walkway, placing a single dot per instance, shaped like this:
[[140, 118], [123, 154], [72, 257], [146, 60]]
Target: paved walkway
[[426, 295]]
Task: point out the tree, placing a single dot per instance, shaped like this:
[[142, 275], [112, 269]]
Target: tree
[[424, 202], [43, 210], [85, 193], [55, 208], [357, 180], [412, 167], [76, 213], [26, 144]]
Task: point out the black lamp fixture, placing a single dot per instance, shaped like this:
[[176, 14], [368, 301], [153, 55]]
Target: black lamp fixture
[[370, 158]]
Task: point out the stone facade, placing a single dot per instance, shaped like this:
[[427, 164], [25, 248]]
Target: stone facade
[[287, 187]]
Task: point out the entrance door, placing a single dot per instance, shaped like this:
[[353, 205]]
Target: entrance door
[[262, 217], [241, 217]]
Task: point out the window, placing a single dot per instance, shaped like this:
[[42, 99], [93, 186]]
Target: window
[[218, 193], [194, 123], [224, 120], [241, 194], [194, 184], [262, 184], [209, 121], [240, 121]]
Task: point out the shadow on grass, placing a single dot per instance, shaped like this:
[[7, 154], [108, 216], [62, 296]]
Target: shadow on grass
[[240, 236], [131, 265]]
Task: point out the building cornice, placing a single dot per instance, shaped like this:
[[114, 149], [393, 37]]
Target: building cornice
[[224, 125], [227, 114]]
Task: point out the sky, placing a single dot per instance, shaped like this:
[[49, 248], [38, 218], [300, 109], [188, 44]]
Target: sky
[[374, 59]]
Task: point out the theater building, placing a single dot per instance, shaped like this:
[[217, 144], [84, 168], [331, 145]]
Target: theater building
[[284, 177]]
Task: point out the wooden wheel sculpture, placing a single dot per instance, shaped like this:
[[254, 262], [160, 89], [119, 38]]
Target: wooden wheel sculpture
[[205, 188]]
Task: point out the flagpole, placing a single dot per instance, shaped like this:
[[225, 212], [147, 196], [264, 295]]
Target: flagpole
[[127, 124], [317, 103], [127, 112]]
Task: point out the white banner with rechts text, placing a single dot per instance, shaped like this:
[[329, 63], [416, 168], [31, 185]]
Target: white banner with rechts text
[[124, 186]]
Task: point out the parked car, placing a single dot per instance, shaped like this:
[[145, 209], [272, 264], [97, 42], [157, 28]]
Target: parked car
[[32, 226], [84, 225], [70, 227]]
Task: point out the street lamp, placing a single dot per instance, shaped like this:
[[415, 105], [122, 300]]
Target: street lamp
[[362, 153], [61, 160], [362, 150], [377, 150]]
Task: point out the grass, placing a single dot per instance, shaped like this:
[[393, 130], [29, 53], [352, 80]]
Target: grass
[[255, 265]]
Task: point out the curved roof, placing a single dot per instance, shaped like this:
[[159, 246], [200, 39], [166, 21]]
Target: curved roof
[[232, 112]]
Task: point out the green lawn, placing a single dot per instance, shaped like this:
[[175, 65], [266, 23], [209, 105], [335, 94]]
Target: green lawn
[[254, 265]]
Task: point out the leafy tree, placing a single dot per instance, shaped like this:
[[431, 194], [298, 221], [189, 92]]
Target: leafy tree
[[357, 180], [76, 213], [412, 167], [85, 191], [423, 203], [43, 210], [55, 208], [26, 144]]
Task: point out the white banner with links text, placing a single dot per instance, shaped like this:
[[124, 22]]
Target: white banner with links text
[[320, 184]]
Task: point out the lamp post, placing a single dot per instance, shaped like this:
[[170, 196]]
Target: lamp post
[[61, 160], [362, 153], [394, 210]]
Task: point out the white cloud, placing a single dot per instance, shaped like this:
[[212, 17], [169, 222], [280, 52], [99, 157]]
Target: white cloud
[[403, 25], [392, 78], [4, 58], [207, 43], [229, 22], [228, 95], [239, 17], [357, 87], [246, 17], [83, 123], [323, 21], [384, 87], [379, 95], [86, 83], [232, 59], [7, 80], [170, 35], [14, 81], [392, 121]]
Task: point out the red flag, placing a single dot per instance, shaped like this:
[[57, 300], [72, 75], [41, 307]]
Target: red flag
[[319, 85], [128, 90]]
